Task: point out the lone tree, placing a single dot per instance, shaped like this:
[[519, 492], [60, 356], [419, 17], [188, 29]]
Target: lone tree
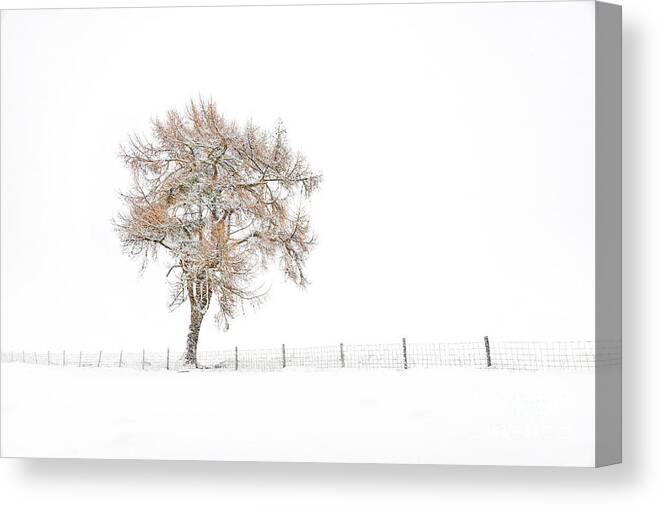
[[224, 203]]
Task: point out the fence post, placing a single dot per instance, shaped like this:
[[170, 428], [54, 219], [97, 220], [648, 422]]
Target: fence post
[[143, 359], [167, 359], [236, 358], [98, 365], [35, 358], [284, 357], [48, 357], [23, 356], [488, 350], [64, 358], [406, 359], [80, 359], [120, 358], [342, 354]]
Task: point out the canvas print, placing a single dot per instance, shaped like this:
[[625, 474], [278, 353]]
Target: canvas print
[[339, 233]]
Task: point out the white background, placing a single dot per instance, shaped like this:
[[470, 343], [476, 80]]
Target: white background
[[457, 157], [457, 147], [167, 483]]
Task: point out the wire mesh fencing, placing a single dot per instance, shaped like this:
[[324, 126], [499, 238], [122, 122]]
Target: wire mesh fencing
[[508, 355]]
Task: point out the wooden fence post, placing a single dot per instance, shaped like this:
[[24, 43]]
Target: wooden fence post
[[342, 354], [64, 358], [284, 357], [80, 359], [236, 358], [35, 358], [488, 350], [143, 359], [23, 356], [121, 352], [98, 365], [48, 357], [406, 359], [167, 359]]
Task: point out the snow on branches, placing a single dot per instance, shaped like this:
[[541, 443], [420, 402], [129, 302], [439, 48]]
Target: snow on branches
[[223, 202]]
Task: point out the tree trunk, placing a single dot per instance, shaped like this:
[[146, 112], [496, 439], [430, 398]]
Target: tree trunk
[[196, 316], [199, 301]]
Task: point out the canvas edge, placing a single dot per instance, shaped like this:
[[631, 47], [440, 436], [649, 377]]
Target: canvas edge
[[608, 232]]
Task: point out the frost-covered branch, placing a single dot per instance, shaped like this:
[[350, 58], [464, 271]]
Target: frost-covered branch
[[223, 202]]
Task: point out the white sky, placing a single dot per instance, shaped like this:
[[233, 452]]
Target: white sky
[[456, 143]]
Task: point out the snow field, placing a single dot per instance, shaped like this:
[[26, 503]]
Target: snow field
[[445, 415]]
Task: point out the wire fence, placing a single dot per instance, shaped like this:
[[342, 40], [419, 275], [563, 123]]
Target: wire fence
[[508, 355]]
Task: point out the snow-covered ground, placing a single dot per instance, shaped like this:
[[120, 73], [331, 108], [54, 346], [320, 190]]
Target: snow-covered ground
[[459, 416]]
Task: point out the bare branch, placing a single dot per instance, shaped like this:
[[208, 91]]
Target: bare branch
[[224, 202]]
